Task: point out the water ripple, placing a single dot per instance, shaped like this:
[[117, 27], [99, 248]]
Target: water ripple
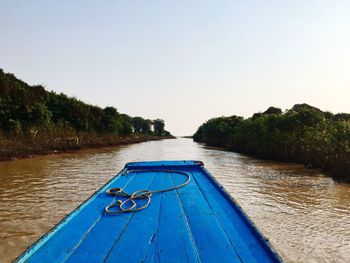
[[305, 215]]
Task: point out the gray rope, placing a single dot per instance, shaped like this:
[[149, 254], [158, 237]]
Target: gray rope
[[124, 206]]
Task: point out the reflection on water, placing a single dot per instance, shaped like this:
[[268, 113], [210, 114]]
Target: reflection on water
[[305, 215]]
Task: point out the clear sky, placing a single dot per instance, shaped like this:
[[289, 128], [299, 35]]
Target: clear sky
[[183, 61]]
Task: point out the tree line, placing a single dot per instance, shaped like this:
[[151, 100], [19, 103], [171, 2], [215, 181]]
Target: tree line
[[302, 134], [31, 110], [36, 121]]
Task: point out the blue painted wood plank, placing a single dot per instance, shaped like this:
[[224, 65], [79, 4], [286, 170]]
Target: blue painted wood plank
[[210, 238], [174, 240], [163, 164], [60, 244], [240, 235], [110, 228], [137, 239], [259, 247]]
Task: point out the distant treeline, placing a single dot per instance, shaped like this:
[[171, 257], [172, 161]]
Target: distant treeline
[[303, 134], [35, 116]]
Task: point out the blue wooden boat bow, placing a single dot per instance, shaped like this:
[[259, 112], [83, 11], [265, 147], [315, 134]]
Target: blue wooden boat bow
[[168, 211]]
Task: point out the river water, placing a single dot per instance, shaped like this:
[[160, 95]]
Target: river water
[[305, 215]]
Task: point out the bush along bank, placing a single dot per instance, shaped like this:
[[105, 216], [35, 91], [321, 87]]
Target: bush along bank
[[36, 121], [14, 147], [303, 134]]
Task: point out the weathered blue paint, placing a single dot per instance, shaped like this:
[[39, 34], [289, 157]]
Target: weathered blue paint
[[197, 223]]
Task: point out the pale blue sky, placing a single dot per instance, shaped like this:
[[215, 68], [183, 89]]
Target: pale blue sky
[[184, 61]]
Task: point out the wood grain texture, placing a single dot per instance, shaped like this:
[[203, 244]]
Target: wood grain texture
[[196, 223]]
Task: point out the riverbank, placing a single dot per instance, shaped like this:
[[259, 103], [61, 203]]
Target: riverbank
[[20, 147], [339, 172], [303, 134], [35, 121]]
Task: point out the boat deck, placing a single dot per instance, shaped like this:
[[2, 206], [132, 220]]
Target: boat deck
[[199, 222]]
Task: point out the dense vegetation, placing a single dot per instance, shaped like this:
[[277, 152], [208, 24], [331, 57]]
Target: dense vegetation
[[31, 117], [303, 134]]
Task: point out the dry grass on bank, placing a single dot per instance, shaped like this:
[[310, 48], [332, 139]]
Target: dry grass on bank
[[25, 145]]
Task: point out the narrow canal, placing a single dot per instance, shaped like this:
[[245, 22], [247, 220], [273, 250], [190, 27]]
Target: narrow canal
[[305, 215]]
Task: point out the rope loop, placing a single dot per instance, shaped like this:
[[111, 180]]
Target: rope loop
[[129, 204]]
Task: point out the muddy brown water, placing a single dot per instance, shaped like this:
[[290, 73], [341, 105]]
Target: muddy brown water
[[305, 215]]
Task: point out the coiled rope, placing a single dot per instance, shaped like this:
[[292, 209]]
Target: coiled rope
[[129, 204]]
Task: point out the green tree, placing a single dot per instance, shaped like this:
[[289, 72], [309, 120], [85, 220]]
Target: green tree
[[158, 125]]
